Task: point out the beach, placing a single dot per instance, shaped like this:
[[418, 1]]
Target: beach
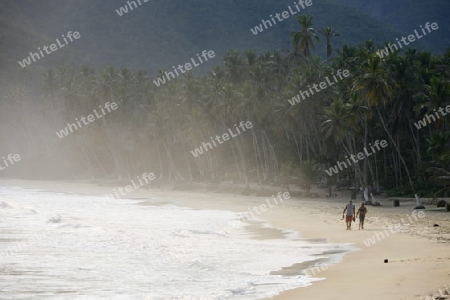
[[417, 251]]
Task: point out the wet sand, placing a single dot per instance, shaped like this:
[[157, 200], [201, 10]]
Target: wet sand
[[418, 254]]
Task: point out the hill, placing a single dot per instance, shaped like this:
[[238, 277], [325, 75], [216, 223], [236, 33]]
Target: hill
[[405, 16], [159, 34]]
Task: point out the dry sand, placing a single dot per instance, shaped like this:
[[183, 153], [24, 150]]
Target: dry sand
[[418, 254]]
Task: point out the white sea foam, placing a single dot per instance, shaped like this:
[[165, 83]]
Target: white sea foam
[[121, 250]]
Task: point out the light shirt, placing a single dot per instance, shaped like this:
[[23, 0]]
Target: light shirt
[[349, 208]]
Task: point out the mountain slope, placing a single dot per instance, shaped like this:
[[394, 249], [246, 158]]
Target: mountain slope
[[160, 34], [405, 16]]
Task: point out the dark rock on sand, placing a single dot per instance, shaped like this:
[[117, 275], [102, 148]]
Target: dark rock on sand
[[441, 203]]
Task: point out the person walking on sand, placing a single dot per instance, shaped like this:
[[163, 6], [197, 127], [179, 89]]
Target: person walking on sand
[[362, 211], [349, 217]]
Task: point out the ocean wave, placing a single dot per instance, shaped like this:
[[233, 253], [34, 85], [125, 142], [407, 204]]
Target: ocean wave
[[5, 204], [132, 250]]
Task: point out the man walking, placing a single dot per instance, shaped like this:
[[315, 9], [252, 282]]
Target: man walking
[[349, 217]]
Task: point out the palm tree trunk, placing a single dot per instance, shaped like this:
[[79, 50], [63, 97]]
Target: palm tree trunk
[[397, 149], [415, 143]]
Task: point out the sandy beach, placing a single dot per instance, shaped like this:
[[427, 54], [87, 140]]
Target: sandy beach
[[417, 251], [151, 159]]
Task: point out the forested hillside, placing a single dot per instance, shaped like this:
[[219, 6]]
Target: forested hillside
[[159, 33], [157, 128], [405, 16]]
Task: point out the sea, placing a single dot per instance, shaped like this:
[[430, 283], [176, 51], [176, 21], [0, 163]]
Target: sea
[[79, 246]]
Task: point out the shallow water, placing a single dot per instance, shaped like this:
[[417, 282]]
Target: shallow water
[[69, 246]]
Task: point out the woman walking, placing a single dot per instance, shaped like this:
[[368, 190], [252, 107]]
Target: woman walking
[[362, 211]]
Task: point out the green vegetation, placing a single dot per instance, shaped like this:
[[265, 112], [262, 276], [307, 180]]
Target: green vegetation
[[156, 128], [157, 35]]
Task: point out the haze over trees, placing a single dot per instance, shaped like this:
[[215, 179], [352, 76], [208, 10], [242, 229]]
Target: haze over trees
[[155, 129]]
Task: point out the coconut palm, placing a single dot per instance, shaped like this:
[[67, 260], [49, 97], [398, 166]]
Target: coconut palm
[[303, 40], [329, 33], [376, 85]]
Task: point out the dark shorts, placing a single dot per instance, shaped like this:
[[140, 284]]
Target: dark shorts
[[361, 217]]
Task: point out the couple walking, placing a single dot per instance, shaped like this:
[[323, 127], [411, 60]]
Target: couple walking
[[350, 215]]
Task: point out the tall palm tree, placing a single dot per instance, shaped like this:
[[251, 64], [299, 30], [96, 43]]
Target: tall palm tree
[[234, 66], [339, 117], [337, 121], [377, 86], [329, 33], [303, 40], [438, 95]]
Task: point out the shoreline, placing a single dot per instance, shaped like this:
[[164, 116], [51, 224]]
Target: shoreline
[[418, 254]]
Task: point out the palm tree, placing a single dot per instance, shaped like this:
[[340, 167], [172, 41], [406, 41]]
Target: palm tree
[[303, 40], [438, 95], [339, 117], [439, 144], [309, 173], [377, 86], [329, 33], [234, 66], [337, 121]]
